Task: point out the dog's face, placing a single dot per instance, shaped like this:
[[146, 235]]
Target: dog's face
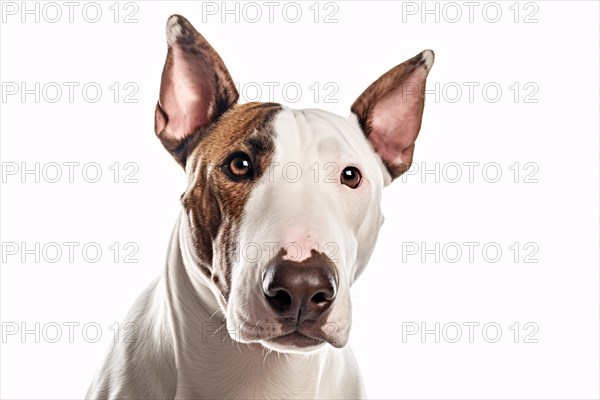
[[283, 206]]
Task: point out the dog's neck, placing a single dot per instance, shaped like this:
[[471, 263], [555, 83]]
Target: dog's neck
[[209, 360]]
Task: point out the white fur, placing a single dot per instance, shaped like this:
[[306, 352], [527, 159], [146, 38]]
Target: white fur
[[429, 58], [173, 29]]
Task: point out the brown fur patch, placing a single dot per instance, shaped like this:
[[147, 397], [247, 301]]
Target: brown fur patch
[[214, 202]]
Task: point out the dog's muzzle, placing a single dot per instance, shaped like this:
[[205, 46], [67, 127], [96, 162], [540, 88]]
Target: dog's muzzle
[[300, 294]]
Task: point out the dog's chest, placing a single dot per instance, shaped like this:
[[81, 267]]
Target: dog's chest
[[243, 372], [215, 367]]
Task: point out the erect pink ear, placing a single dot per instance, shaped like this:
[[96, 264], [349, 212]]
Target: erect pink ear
[[195, 90], [390, 111]]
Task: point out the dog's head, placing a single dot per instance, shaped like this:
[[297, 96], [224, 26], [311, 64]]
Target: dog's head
[[283, 206]]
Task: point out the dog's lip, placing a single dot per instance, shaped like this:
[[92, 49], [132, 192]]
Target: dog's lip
[[286, 334], [297, 339]]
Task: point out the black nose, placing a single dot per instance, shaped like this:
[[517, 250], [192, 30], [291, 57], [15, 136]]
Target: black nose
[[300, 291]]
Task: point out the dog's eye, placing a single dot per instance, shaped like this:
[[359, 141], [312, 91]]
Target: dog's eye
[[350, 177], [239, 166]]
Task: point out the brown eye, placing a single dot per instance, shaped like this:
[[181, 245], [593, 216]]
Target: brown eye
[[350, 177], [239, 166]]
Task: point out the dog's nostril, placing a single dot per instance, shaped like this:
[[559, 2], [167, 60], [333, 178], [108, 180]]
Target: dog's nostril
[[320, 298], [282, 297]]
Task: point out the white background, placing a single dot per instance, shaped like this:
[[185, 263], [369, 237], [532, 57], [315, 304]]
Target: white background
[[558, 215]]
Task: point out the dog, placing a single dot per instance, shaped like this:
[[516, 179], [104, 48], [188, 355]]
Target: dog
[[279, 218]]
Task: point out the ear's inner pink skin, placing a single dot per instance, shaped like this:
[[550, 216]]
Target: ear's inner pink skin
[[188, 98], [391, 109]]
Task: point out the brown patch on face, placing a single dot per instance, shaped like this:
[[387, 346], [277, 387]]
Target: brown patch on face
[[214, 202]]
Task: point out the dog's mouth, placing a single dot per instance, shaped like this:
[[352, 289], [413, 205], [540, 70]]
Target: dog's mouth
[[284, 337], [297, 340]]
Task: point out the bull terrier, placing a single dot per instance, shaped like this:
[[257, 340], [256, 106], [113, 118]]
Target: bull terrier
[[254, 299]]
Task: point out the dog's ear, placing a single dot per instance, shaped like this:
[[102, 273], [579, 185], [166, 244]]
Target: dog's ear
[[196, 89], [390, 110]]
